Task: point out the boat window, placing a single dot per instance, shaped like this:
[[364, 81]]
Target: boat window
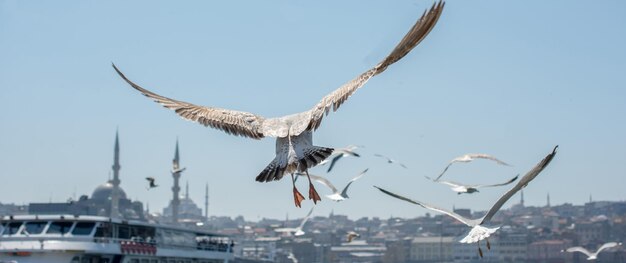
[[12, 227], [123, 232], [34, 228], [59, 228], [83, 228], [103, 230]]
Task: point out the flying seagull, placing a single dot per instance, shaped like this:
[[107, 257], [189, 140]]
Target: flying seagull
[[151, 183], [297, 231], [340, 153], [351, 235], [470, 157], [478, 231], [592, 256], [295, 151], [389, 160], [468, 189], [336, 196]]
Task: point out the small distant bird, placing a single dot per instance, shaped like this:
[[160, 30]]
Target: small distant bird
[[468, 189], [336, 196], [594, 255], [478, 231], [470, 157], [151, 183], [297, 231], [178, 170], [389, 160], [292, 257], [340, 153], [351, 235], [295, 151]]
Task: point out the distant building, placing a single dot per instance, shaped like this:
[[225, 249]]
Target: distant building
[[102, 201], [430, 249]]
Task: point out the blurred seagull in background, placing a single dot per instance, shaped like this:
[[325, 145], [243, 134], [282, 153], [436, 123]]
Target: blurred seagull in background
[[295, 151], [340, 153], [592, 256], [336, 195], [151, 183], [351, 235], [389, 160], [468, 189], [478, 231], [297, 231], [470, 157]]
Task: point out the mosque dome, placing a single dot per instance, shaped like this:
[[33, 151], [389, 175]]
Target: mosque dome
[[104, 192]]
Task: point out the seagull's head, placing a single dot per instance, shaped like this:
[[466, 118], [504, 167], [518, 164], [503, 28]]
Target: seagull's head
[[478, 233]]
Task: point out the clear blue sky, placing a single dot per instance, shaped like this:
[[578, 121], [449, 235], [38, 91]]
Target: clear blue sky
[[511, 79]]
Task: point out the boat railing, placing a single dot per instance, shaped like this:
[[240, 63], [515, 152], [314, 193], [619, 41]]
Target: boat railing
[[126, 243]]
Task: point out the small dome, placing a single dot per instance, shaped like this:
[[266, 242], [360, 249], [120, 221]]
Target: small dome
[[103, 192]]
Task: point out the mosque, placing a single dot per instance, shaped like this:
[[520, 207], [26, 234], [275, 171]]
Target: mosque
[[110, 200]]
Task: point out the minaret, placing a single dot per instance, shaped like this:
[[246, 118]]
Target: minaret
[[548, 197], [206, 202], [187, 189], [115, 197], [590, 199], [522, 199], [176, 171]]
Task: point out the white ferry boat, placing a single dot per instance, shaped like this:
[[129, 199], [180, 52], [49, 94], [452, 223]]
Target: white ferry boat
[[97, 239]]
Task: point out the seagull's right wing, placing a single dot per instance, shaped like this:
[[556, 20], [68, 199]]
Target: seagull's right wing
[[456, 216], [605, 246], [579, 249], [488, 157], [500, 184], [529, 176], [416, 34], [322, 180], [306, 218], [345, 189], [151, 179], [444, 171], [232, 122]]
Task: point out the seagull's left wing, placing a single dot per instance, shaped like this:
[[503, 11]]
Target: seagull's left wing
[[456, 216], [579, 249], [417, 33], [529, 176]]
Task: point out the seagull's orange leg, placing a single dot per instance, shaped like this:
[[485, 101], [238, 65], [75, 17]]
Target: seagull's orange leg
[[312, 192], [297, 196], [488, 245], [480, 251]]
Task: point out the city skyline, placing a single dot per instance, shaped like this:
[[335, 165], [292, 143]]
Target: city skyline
[[508, 79]]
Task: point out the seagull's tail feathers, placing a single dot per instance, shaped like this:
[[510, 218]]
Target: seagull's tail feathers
[[313, 155]]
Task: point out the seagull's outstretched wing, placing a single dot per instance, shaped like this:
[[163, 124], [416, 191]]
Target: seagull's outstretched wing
[[529, 176], [306, 218], [322, 180], [579, 249], [333, 161], [605, 246], [469, 157], [417, 33], [150, 179], [344, 192], [488, 157], [500, 184], [450, 183], [456, 216], [232, 122]]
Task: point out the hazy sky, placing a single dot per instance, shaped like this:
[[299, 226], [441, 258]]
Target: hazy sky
[[508, 78]]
